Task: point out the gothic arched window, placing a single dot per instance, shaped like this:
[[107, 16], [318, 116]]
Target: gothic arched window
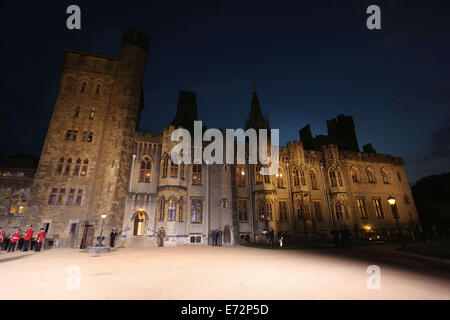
[[339, 211], [171, 210], [354, 174], [258, 175], [197, 174], [165, 166], [333, 178], [76, 171], [240, 176], [60, 167], [295, 177], [280, 180], [302, 177], [173, 169], [145, 171]]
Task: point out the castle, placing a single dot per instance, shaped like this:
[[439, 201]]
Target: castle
[[98, 171]]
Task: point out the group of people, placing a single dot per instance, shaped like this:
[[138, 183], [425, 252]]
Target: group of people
[[342, 237], [16, 236]]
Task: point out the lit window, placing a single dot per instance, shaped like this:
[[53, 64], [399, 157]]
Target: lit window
[[240, 176], [197, 174], [295, 177], [171, 210], [196, 210], [280, 179], [361, 202], [85, 167], [333, 179], [378, 208], [145, 172]]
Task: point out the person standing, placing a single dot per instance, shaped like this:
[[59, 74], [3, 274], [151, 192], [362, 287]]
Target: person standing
[[27, 237], [112, 237], [271, 237], [161, 235], [2, 236], [15, 237], [39, 240]]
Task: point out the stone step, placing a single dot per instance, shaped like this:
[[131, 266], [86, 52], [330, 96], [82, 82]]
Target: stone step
[[139, 242]]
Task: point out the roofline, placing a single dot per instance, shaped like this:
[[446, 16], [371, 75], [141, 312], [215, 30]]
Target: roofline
[[92, 54]]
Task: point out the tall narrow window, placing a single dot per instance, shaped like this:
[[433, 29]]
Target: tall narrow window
[[243, 210], [280, 180], [196, 210], [258, 175], [197, 174], [71, 197], [266, 178], [90, 137], [97, 89], [165, 166], [92, 114], [295, 177], [61, 195], [283, 210], [333, 179], [171, 210], [60, 167], [76, 171], [68, 165], [339, 210], [52, 198], [354, 174], [361, 202], [161, 207], [240, 176], [83, 87], [378, 208], [68, 135], [312, 176], [85, 167], [145, 172], [302, 177], [261, 210], [173, 169], [79, 196], [339, 178]]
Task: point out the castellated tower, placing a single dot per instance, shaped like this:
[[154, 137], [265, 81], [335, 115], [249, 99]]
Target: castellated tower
[[84, 167]]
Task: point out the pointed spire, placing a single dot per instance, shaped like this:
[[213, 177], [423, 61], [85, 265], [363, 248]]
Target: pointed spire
[[186, 110], [256, 120]]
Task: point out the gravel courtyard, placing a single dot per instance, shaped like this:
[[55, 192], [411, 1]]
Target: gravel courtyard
[[215, 273]]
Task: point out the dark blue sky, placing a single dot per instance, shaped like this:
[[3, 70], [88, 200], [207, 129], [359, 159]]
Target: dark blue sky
[[311, 60]]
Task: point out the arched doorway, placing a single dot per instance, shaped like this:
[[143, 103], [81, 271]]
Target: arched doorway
[[139, 223], [226, 235]]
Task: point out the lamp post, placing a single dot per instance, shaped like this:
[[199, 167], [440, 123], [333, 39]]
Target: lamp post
[[101, 237], [392, 202]]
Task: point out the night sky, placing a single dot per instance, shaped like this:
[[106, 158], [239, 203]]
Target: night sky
[[311, 60]]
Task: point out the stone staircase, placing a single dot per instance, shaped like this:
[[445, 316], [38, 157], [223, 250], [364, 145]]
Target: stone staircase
[[139, 242]]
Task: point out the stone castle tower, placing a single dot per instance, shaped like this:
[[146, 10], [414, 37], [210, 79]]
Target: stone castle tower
[[84, 167]]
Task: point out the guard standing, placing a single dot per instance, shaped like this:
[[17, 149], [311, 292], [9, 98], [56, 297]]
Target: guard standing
[[2, 236], [39, 240], [112, 237], [27, 238], [15, 237]]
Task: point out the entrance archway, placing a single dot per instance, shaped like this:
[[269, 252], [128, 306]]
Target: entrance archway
[[226, 235], [139, 223]]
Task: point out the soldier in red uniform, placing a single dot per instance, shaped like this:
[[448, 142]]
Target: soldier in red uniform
[[27, 238], [15, 237], [2, 236], [39, 240]]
